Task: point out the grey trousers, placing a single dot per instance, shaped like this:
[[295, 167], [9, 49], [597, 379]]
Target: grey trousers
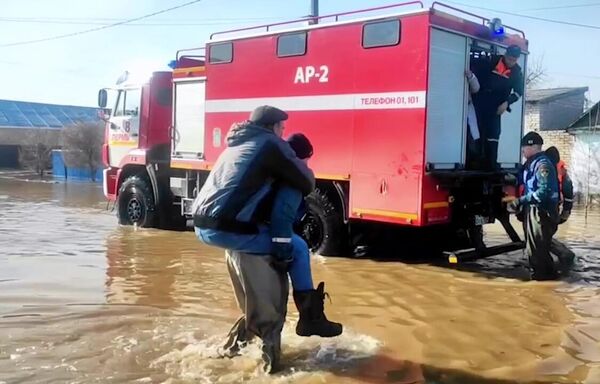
[[566, 256], [262, 295], [539, 229]]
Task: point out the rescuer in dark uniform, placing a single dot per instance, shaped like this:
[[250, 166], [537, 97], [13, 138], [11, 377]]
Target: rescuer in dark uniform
[[540, 206], [501, 81]]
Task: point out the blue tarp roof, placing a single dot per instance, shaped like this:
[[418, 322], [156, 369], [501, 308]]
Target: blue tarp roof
[[21, 114]]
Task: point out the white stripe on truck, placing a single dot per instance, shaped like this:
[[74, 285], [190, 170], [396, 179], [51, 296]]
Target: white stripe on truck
[[352, 101]]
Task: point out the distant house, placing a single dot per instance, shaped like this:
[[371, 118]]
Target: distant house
[[585, 155], [20, 120], [551, 111]]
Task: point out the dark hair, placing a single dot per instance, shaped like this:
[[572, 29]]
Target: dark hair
[[301, 145], [553, 154]]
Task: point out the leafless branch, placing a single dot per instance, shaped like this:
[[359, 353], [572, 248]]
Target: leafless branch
[[82, 144], [36, 151], [536, 73]]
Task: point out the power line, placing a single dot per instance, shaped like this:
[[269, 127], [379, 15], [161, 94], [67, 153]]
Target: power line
[[174, 24], [597, 27], [114, 19], [562, 7], [100, 21], [101, 27], [576, 75]]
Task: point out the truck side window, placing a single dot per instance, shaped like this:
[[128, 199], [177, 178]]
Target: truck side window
[[164, 96], [293, 44], [381, 33], [220, 53], [128, 103]]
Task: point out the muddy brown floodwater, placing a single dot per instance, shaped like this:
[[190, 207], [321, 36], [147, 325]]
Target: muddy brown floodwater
[[83, 300]]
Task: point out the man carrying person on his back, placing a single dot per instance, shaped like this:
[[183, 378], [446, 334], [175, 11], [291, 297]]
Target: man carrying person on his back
[[540, 205], [501, 84], [225, 211]]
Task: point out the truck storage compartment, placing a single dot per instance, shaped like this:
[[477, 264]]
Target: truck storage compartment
[[188, 119]]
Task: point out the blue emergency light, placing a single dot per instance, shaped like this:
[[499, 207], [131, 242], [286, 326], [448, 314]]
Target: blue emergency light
[[496, 27]]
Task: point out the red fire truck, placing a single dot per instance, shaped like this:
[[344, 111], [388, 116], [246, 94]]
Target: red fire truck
[[382, 97]]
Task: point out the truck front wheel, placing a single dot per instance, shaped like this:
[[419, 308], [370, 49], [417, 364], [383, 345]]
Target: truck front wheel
[[136, 202]]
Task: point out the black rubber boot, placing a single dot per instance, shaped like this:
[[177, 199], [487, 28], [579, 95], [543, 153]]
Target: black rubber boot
[[312, 320], [271, 354]]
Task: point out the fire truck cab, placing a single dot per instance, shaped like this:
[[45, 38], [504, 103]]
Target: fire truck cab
[[383, 99]]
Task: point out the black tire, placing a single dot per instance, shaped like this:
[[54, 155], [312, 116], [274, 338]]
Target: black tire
[[323, 226], [136, 203]]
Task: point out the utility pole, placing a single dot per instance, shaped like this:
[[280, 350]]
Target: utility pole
[[314, 11]]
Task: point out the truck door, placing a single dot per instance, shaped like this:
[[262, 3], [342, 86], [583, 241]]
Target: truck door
[[124, 124], [446, 101], [509, 147], [188, 118]]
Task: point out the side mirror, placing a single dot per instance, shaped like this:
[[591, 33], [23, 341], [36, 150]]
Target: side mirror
[[102, 98]]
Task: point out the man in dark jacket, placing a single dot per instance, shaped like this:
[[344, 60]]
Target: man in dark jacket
[[501, 84], [540, 204], [225, 210]]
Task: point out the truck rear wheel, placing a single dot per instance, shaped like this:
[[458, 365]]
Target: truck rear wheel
[[136, 202], [323, 227]]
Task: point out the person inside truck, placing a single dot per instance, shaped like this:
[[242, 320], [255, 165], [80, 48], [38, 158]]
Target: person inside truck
[[501, 81], [225, 210], [539, 204]]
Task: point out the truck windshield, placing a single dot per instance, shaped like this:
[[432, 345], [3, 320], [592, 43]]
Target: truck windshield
[[128, 102]]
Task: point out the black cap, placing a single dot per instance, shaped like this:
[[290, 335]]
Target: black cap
[[301, 145], [532, 138], [267, 115], [513, 51]]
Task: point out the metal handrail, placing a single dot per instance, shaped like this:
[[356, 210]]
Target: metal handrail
[[336, 15], [484, 19], [188, 50]]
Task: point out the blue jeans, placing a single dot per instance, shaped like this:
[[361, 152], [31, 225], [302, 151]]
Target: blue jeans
[[260, 244], [284, 212]]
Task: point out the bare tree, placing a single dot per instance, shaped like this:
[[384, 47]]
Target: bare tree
[[36, 151], [82, 145], [536, 73]]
